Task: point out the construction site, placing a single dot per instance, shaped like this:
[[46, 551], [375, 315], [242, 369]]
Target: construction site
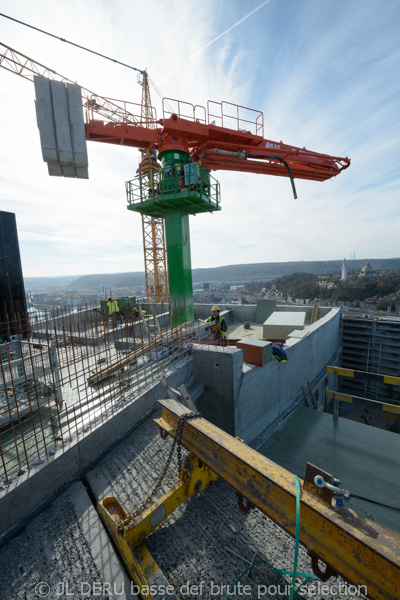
[[161, 449]]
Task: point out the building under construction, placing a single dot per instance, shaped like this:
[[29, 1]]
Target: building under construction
[[142, 458], [79, 400]]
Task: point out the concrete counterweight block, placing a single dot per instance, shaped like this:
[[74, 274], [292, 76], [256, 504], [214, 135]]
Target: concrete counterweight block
[[61, 122], [44, 110], [61, 127]]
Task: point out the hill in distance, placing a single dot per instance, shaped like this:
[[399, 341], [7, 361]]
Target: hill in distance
[[228, 274]]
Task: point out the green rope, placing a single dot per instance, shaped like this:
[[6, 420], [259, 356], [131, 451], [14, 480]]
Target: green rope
[[294, 592], [296, 548]]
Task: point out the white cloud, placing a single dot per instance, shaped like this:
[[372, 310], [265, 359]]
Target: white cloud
[[325, 75]]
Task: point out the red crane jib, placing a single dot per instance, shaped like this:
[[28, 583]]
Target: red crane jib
[[217, 148]]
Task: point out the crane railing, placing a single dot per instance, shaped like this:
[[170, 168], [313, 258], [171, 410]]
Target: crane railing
[[234, 116], [119, 111], [194, 192], [26, 67], [223, 114], [185, 110]]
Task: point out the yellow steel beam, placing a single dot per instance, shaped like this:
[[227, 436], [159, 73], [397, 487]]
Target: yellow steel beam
[[129, 533], [362, 551], [363, 375], [149, 581], [392, 408]]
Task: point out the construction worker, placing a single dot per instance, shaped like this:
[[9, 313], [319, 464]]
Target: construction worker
[[279, 354], [113, 310], [218, 325]]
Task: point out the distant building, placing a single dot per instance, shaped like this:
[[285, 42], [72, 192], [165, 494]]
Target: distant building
[[344, 270], [13, 311], [368, 271]]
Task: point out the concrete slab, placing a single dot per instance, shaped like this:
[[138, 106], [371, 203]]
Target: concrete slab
[[364, 458], [47, 132], [207, 541], [77, 125], [63, 552], [61, 122], [236, 330]]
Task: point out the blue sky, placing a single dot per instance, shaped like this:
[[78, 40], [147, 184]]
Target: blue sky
[[324, 73]]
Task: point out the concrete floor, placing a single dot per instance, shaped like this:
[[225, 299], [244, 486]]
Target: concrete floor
[[366, 459], [236, 330], [63, 552], [207, 539]]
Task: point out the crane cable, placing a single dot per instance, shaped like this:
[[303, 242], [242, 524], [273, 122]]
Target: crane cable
[[114, 60]]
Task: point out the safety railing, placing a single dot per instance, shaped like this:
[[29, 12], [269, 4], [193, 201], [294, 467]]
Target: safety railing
[[185, 110], [118, 111], [234, 116], [390, 409], [223, 114], [159, 188]]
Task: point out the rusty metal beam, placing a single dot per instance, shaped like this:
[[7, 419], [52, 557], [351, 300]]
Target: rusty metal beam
[[362, 551]]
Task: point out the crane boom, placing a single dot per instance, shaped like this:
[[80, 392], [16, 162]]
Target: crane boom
[[189, 140], [220, 148], [117, 112], [106, 108]]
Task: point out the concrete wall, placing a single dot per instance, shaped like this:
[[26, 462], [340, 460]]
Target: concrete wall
[[220, 370], [269, 393], [258, 398], [247, 312], [30, 490], [67, 319]]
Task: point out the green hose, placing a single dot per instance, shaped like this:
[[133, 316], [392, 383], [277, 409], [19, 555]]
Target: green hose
[[294, 592]]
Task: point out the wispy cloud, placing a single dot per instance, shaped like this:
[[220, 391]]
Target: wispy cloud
[[324, 74]]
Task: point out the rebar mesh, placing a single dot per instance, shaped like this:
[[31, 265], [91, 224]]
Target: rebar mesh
[[74, 371]]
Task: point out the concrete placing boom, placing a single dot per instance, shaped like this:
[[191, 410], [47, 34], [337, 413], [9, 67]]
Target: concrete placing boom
[[190, 144], [189, 141]]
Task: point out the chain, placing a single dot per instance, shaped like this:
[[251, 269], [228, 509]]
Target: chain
[[176, 442]]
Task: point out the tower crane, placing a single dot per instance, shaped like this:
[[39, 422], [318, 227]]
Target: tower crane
[[113, 110], [153, 228], [189, 141]]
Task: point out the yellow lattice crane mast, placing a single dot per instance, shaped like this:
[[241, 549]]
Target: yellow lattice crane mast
[[153, 229]]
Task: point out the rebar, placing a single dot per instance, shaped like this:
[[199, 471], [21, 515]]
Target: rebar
[[71, 375]]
